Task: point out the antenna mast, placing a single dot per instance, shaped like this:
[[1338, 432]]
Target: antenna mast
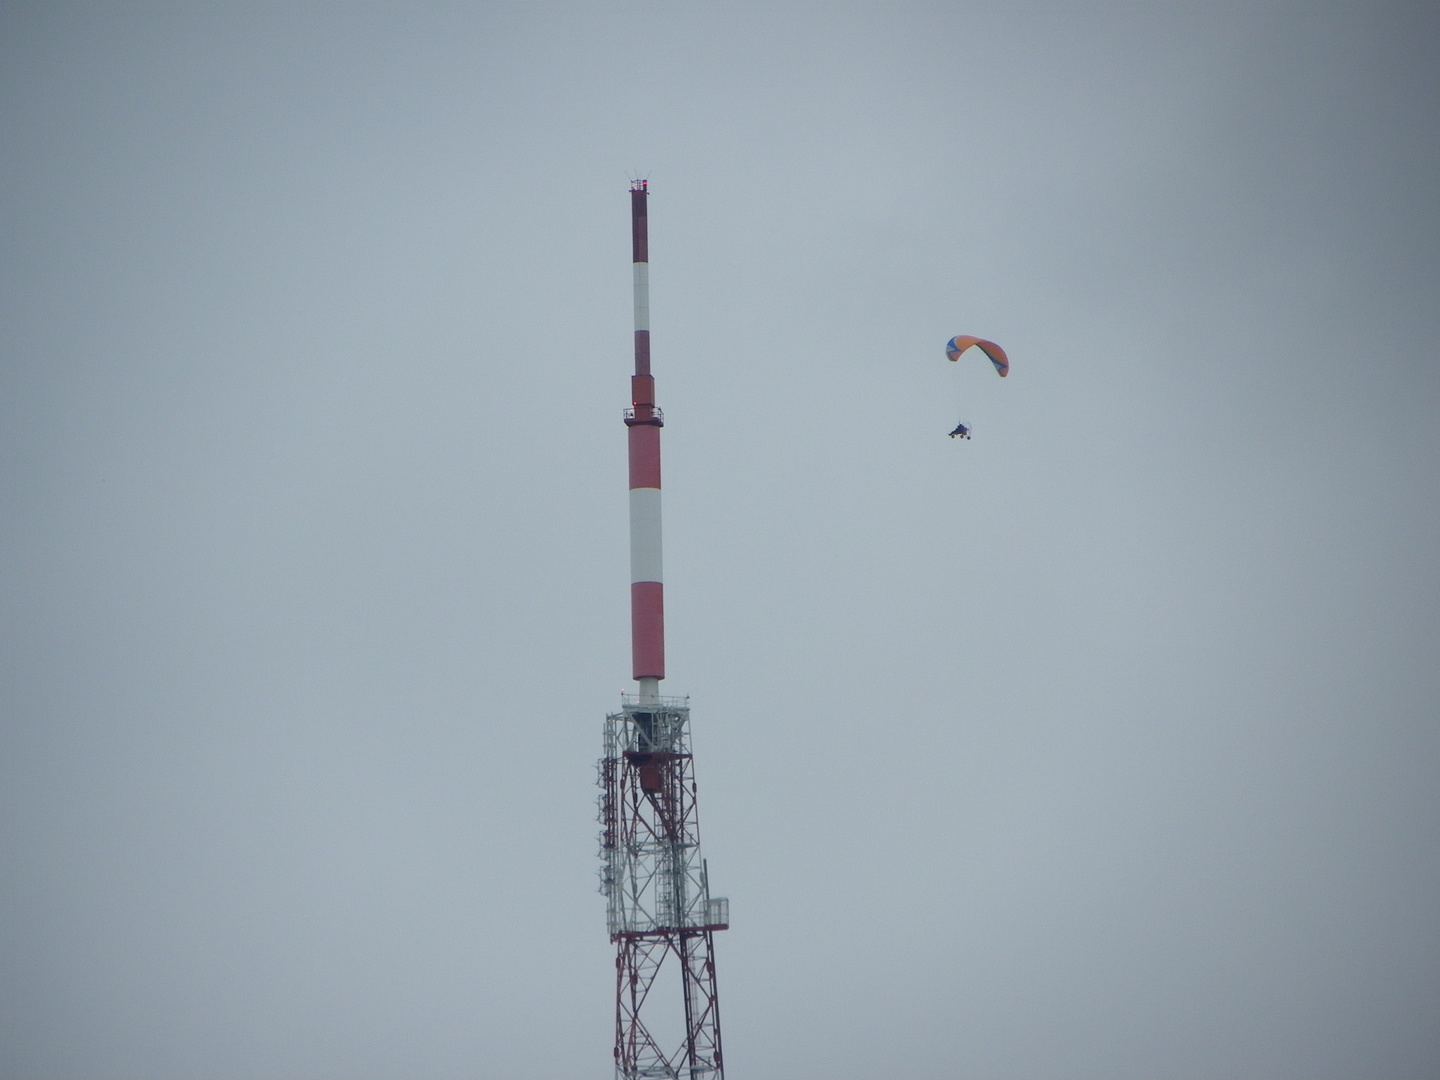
[[659, 910]]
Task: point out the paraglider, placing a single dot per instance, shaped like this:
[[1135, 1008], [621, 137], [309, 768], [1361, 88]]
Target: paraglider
[[961, 342], [957, 345]]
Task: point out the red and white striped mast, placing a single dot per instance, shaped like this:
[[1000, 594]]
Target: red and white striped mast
[[647, 588], [659, 910]]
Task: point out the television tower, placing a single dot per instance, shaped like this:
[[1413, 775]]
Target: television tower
[[661, 916]]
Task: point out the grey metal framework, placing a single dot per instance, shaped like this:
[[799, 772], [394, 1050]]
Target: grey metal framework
[[657, 889]]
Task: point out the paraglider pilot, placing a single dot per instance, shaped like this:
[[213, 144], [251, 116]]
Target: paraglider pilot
[[961, 430]]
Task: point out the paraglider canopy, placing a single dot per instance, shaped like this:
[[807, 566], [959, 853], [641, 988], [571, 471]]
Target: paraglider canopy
[[961, 342]]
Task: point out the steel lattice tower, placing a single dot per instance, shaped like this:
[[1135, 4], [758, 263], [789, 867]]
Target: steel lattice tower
[[659, 910]]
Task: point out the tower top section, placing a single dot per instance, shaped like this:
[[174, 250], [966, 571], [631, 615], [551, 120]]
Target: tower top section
[[639, 228], [644, 419]]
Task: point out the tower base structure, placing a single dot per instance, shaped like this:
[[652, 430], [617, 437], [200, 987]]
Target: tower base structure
[[659, 910]]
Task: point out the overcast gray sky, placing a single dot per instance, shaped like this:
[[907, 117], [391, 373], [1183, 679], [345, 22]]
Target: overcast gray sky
[[1102, 746]]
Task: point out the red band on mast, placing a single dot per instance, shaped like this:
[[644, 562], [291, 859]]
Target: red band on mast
[[639, 230], [647, 629]]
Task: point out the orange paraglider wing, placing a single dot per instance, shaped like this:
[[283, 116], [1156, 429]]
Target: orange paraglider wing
[[961, 342]]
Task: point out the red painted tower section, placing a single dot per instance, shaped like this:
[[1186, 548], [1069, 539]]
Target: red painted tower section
[[660, 914]]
